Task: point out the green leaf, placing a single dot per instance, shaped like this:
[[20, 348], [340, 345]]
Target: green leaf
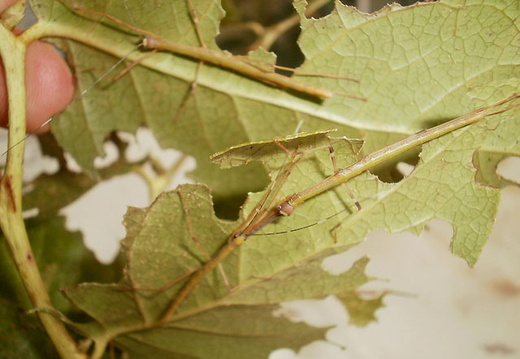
[[157, 95], [169, 241], [443, 186], [361, 311], [416, 65], [21, 335], [268, 151], [210, 323]]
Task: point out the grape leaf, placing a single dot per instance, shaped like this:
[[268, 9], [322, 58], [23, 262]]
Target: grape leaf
[[211, 322], [416, 66]]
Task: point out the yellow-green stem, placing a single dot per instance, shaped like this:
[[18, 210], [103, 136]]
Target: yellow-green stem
[[13, 55]]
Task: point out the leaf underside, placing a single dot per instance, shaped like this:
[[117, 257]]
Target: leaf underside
[[418, 66]]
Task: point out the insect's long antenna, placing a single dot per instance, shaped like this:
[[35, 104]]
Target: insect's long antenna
[[105, 74], [303, 227], [129, 13], [79, 96]]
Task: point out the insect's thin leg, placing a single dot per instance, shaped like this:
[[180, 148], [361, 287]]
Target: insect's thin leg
[[264, 213], [267, 213], [129, 13], [261, 208], [224, 277], [164, 287], [303, 227], [138, 61], [294, 158], [281, 145], [352, 197], [195, 20], [262, 65], [197, 242], [265, 204], [336, 170], [298, 127], [134, 64], [193, 85], [77, 9], [255, 226], [160, 289], [189, 94]]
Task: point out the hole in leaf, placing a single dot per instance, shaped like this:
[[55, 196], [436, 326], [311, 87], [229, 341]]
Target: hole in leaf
[[229, 207], [392, 171], [509, 168]]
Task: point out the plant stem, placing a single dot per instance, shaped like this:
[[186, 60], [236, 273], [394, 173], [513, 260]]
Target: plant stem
[[273, 32], [11, 221], [161, 177]]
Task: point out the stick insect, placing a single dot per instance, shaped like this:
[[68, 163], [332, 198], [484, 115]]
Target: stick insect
[[265, 214], [236, 64], [268, 212]]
